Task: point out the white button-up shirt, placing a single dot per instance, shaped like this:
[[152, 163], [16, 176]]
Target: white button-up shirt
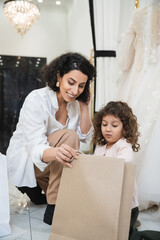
[[36, 121]]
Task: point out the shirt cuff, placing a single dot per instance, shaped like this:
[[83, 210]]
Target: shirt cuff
[[86, 138], [37, 155]]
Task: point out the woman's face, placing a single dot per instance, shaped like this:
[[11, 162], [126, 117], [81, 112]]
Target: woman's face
[[71, 85]]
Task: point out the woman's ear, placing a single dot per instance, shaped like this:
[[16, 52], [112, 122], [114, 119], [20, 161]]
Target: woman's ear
[[58, 77]]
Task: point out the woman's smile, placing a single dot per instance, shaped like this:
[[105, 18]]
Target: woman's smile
[[71, 95]]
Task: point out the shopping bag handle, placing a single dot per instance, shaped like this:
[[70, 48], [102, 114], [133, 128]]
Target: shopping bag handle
[[78, 152]]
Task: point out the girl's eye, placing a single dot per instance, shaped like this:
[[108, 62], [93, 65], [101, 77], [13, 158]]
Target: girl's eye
[[104, 125], [115, 125]]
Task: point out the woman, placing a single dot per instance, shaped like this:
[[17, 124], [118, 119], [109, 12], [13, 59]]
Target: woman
[[52, 121]]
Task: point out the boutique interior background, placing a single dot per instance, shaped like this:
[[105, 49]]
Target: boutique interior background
[[60, 28]]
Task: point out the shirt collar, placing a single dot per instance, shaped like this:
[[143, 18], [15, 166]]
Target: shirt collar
[[53, 97]]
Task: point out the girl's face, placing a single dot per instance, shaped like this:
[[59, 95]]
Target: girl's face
[[112, 129], [72, 84]]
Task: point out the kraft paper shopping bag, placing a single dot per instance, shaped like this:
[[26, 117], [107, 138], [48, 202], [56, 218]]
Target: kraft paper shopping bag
[[89, 200], [126, 201], [4, 198]]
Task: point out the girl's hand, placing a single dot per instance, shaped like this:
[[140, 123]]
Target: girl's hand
[[64, 154]]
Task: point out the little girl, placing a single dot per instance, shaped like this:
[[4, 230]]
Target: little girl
[[116, 135]]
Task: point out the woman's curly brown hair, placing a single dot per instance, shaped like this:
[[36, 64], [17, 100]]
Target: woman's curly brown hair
[[64, 64], [124, 113]]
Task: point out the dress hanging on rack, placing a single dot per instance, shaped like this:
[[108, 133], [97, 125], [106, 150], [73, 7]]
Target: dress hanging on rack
[[139, 86]]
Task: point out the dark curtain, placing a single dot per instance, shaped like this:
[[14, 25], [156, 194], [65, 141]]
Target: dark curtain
[[18, 77]]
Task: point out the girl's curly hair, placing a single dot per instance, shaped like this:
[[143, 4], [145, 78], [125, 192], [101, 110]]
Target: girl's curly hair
[[64, 64], [124, 113]]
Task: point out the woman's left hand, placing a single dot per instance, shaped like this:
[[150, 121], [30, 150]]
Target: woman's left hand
[[82, 104]]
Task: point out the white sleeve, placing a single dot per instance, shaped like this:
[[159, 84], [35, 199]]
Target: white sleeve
[[85, 138], [34, 131]]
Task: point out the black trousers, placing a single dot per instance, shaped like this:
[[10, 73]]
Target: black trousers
[[134, 216], [146, 235], [35, 194]]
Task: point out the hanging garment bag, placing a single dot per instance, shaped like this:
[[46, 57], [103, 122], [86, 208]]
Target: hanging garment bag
[[94, 200]]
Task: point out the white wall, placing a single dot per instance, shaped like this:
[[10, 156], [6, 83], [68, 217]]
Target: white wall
[[56, 32], [79, 28], [46, 38]]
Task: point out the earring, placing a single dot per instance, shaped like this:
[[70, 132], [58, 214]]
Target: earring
[[57, 84]]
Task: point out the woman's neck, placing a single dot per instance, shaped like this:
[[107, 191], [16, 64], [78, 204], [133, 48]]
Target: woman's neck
[[62, 113], [61, 101]]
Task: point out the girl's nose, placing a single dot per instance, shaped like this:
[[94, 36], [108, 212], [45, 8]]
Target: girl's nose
[[108, 128]]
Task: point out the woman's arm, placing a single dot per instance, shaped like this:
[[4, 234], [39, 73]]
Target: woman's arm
[[62, 154], [85, 121]]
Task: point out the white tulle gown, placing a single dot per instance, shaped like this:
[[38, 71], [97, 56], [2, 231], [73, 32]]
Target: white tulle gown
[[139, 86]]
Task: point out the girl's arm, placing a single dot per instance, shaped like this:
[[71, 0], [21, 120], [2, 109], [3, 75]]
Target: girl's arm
[[126, 153]]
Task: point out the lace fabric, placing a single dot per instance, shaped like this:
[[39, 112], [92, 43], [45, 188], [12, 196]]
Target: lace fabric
[[143, 36], [151, 34], [139, 86], [145, 3]]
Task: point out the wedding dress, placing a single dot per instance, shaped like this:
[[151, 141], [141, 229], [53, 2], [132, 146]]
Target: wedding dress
[[139, 86]]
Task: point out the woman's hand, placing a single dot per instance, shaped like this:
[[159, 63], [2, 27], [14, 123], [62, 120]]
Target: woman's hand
[[82, 104], [62, 154]]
